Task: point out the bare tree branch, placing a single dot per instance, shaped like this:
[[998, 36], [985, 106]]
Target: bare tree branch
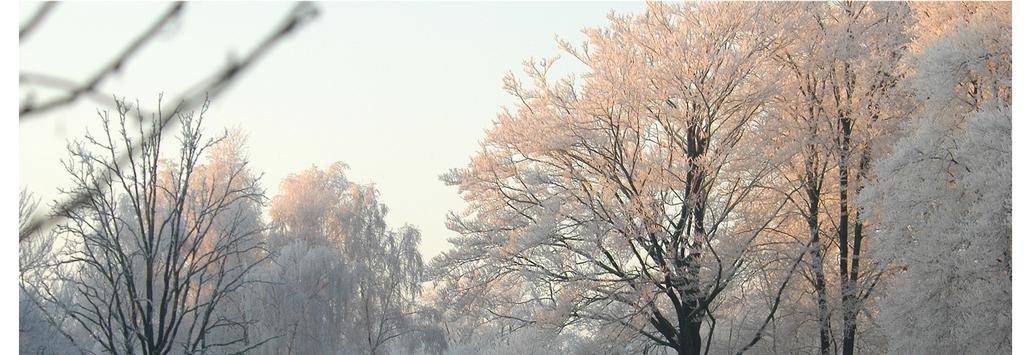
[[37, 18]]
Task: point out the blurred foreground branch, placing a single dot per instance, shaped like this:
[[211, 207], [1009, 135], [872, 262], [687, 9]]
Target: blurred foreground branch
[[35, 20], [207, 88], [29, 109]]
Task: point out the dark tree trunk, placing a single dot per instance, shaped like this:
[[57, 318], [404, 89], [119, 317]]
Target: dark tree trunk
[[824, 319], [689, 339], [850, 336], [817, 257], [844, 233]]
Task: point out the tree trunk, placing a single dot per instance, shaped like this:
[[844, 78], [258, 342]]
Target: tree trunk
[[850, 335], [817, 264], [689, 342], [824, 320], [844, 233]]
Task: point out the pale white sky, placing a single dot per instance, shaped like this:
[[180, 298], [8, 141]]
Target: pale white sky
[[401, 92]]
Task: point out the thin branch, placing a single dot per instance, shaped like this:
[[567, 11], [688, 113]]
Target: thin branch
[[36, 19]]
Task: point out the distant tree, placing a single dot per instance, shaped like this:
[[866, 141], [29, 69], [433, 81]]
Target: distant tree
[[302, 301], [161, 245], [342, 281]]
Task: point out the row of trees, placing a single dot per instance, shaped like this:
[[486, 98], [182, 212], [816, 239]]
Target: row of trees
[[172, 254], [775, 178], [725, 178]]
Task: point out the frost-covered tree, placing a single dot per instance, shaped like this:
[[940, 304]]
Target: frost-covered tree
[[40, 324], [630, 200], [948, 230], [836, 105], [300, 302], [805, 178], [153, 258], [942, 197], [341, 281]]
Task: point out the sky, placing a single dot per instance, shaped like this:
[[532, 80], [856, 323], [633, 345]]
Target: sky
[[401, 92]]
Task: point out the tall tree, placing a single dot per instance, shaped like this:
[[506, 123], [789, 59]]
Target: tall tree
[[616, 202], [842, 94]]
